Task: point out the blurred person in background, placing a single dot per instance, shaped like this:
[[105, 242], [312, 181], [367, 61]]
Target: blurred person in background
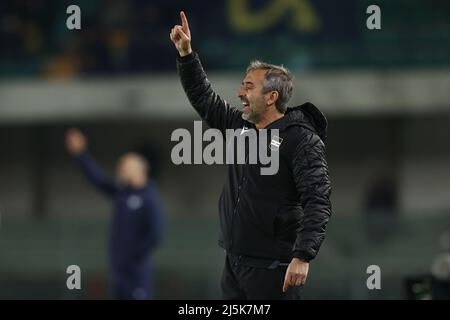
[[136, 226], [272, 226], [381, 208]]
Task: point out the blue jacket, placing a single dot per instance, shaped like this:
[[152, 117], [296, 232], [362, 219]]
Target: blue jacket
[[136, 227]]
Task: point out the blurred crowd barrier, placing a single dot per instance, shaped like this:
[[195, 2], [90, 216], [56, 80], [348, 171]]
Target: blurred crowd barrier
[[338, 93]]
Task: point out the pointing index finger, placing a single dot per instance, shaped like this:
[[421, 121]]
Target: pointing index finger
[[184, 21]]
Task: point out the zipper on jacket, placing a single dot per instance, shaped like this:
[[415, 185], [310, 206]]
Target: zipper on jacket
[[243, 179]]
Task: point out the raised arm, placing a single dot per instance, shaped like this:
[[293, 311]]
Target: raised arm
[[210, 106], [76, 146]]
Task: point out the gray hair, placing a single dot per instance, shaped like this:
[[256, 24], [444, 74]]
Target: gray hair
[[277, 78]]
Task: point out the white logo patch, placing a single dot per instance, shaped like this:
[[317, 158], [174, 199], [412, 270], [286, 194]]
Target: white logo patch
[[134, 202], [244, 130], [275, 143]]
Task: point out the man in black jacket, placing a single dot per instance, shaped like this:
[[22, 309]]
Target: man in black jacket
[[272, 226]]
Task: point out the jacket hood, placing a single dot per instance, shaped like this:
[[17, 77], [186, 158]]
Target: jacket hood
[[308, 116]]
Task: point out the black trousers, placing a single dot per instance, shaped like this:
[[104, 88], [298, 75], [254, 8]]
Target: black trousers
[[249, 279]]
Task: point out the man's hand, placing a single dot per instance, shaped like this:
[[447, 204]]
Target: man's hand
[[181, 36], [75, 142], [296, 274]]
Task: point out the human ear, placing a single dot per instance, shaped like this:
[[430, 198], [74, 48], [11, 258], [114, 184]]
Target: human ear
[[273, 97]]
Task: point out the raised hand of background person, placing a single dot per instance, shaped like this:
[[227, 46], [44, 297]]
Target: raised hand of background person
[[181, 36], [76, 142]]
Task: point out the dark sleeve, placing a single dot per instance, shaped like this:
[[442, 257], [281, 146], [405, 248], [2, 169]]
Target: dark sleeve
[[313, 185], [94, 174], [210, 106]]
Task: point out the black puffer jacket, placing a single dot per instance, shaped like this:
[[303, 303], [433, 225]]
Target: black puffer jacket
[[276, 216]]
